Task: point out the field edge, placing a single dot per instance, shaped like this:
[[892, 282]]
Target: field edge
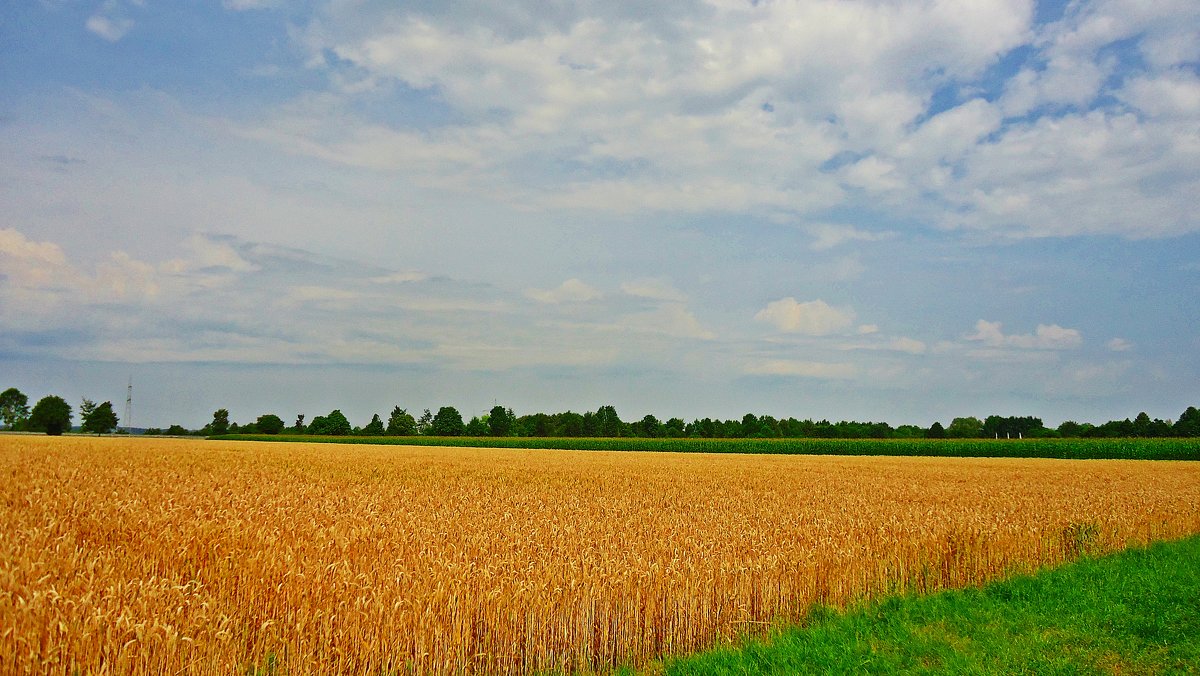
[[1135, 611], [1147, 448]]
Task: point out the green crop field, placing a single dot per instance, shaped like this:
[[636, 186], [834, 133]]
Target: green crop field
[[1071, 449]]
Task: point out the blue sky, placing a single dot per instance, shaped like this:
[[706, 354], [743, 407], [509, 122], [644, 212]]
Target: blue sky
[[900, 211]]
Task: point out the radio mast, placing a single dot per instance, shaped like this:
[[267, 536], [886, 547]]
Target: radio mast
[[129, 407]]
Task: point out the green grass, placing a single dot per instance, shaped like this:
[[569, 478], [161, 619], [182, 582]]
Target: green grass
[[1077, 449], [1136, 612]]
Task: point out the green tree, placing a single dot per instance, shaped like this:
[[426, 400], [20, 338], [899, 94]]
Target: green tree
[[477, 427], [500, 421], [51, 415], [220, 422], [269, 424], [965, 428], [14, 408], [316, 426], [425, 423], [374, 428], [401, 423], [1070, 428], [675, 428], [176, 431], [336, 424], [570, 424], [447, 423], [936, 431], [99, 419], [85, 408], [608, 424], [649, 426], [1188, 424], [299, 427]]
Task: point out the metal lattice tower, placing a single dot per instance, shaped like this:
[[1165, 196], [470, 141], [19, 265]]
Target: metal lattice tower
[[129, 406]]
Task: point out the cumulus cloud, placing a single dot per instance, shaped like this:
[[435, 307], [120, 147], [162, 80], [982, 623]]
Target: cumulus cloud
[[243, 5], [111, 29], [802, 369], [829, 235], [909, 345], [672, 319], [571, 291], [778, 109], [109, 21], [654, 288], [1119, 345], [813, 318], [17, 246], [1045, 337]]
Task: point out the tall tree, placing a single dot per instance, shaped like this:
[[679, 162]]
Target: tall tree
[[649, 426], [316, 425], [476, 427], [220, 422], [1188, 424], [425, 423], [336, 424], [608, 424], [269, 423], [374, 428], [500, 421], [85, 408], [448, 422], [401, 423], [965, 428], [51, 415], [100, 419], [14, 408]]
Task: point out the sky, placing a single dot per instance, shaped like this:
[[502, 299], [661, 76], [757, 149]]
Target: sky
[[900, 211]]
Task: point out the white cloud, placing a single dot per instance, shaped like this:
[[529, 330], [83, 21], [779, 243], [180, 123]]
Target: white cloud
[[109, 21], [1046, 337], [1119, 345], [654, 288], [1174, 94], [733, 107], [570, 291], [802, 369], [829, 235], [400, 278], [813, 318], [671, 319], [909, 345], [111, 29], [243, 5], [873, 174], [15, 245]]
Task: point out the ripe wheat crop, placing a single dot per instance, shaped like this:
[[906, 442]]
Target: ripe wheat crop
[[165, 556]]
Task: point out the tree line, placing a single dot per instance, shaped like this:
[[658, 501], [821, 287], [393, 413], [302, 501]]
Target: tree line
[[604, 422], [52, 415]]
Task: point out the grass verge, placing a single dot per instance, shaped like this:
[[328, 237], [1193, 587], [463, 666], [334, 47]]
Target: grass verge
[[1136, 612]]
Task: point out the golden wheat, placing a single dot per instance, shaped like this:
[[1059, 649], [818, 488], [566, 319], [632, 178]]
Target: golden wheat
[[163, 556]]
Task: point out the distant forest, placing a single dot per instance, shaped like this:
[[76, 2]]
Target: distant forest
[[52, 415]]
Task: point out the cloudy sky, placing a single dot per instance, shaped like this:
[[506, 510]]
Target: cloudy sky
[[901, 210]]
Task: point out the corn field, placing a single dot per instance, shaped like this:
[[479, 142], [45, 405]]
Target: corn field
[[184, 556]]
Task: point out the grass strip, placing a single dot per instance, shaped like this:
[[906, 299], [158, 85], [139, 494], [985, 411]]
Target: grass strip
[[1072, 449], [1135, 612]]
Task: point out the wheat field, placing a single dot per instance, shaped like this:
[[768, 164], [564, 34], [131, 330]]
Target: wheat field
[[152, 556]]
